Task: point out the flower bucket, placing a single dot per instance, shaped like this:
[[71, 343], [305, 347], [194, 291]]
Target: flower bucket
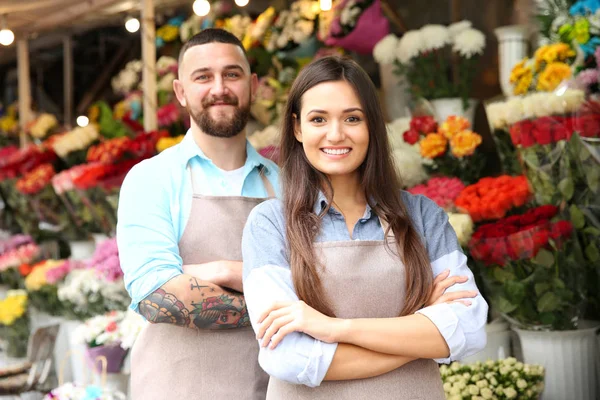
[[453, 106], [370, 28], [115, 355]]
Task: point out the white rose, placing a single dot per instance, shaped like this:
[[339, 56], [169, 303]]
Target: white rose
[[486, 393], [510, 393], [521, 384]]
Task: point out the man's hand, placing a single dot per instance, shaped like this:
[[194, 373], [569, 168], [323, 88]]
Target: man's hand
[[223, 273]]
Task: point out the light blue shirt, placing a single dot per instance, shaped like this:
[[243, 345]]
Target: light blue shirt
[[154, 207], [301, 359]]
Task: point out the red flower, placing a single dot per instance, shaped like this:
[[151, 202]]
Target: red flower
[[542, 131], [423, 125], [411, 136], [25, 269], [111, 327], [545, 212], [561, 229]]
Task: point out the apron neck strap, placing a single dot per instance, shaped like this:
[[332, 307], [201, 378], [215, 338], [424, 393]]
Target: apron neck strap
[[265, 180]]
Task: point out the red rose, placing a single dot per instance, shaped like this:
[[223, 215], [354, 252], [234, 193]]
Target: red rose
[[561, 229], [545, 212], [411, 136], [424, 124], [111, 327], [542, 131]]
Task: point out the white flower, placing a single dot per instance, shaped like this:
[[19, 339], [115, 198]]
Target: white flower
[[42, 125], [510, 393], [473, 390], [469, 42], [521, 383], [409, 46], [407, 158], [166, 82], [190, 27], [164, 64], [486, 393], [77, 139], [384, 51], [497, 115], [267, 137], [458, 27], [434, 37], [463, 226]]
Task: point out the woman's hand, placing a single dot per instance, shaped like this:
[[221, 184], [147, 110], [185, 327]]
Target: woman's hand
[[442, 282], [286, 317]]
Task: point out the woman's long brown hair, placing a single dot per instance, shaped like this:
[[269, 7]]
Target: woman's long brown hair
[[301, 183]]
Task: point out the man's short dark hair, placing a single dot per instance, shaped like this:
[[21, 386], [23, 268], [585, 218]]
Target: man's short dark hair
[[211, 35]]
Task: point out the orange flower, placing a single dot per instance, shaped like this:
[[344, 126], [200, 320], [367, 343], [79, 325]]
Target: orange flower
[[464, 143], [453, 125], [434, 145], [553, 75], [491, 198]]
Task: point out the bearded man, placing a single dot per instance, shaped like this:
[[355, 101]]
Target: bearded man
[[180, 221]]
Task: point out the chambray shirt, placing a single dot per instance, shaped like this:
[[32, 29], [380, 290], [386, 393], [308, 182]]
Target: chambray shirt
[[301, 359], [154, 207]]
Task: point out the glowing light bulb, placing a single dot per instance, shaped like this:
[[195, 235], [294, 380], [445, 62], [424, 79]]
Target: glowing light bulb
[[83, 121], [242, 3], [325, 5], [132, 25], [6, 37], [201, 7]]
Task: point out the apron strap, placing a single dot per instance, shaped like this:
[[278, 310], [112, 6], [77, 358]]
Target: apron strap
[[191, 171], [266, 182], [384, 226]]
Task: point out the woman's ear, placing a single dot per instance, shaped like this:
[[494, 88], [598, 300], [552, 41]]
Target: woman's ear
[[297, 130]]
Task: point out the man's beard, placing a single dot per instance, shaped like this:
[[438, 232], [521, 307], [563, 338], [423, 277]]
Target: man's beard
[[224, 127]]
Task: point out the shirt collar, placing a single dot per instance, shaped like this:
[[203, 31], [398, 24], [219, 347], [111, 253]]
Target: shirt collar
[[189, 149], [321, 204]]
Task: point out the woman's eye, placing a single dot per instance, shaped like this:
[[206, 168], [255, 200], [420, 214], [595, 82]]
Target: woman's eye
[[318, 120], [353, 119]]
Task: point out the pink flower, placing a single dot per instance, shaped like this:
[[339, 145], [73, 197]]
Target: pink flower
[[442, 190], [167, 115]]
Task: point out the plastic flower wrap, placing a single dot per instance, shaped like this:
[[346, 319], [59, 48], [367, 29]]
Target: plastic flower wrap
[[492, 198], [75, 391], [359, 26], [501, 379], [450, 147], [14, 323], [442, 190], [424, 58], [507, 152], [532, 268], [42, 283]]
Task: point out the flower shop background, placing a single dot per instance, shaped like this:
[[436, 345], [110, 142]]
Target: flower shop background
[[517, 176]]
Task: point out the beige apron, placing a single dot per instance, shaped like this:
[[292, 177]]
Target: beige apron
[[171, 362], [363, 280]]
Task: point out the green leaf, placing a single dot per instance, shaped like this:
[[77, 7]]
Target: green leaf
[[592, 253], [502, 275], [506, 306], [547, 318], [516, 291], [558, 283], [593, 178], [548, 302], [531, 158], [590, 230], [566, 188], [577, 217], [541, 288], [544, 258]]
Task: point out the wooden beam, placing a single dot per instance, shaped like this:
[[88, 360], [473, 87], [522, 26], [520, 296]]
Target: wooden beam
[[149, 63], [393, 15], [68, 81], [24, 88], [33, 6]]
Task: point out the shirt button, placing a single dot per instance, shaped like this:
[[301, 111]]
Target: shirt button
[[362, 221]]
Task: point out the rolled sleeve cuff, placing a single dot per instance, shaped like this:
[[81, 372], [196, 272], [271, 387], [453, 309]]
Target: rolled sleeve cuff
[[444, 318], [151, 284], [319, 360]]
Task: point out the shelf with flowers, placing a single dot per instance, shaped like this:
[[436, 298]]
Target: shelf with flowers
[[14, 251], [9, 125], [501, 379], [14, 323], [461, 159], [438, 62]]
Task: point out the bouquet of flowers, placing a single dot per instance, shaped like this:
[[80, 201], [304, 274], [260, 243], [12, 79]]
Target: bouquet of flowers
[[41, 282], [272, 92], [492, 198], [43, 126], [111, 335], [14, 323], [407, 157], [461, 160], [501, 379], [359, 26], [532, 268], [507, 152], [293, 27], [129, 78], [25, 252], [442, 190], [105, 260], [425, 56], [72, 146]]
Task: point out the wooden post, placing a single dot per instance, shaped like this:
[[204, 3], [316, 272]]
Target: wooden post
[[68, 81], [149, 69], [24, 88]]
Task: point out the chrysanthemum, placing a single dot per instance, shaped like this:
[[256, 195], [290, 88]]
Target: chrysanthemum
[[409, 46], [469, 42], [435, 37], [384, 51], [458, 27]]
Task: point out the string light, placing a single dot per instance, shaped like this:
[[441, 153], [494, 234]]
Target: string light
[[201, 7], [83, 121], [242, 3], [132, 25], [325, 5], [6, 35]]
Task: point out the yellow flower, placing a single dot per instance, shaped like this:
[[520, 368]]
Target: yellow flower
[[582, 31], [37, 277], [168, 33], [553, 75], [452, 125], [13, 307], [551, 53], [519, 70], [434, 145], [8, 124], [523, 83], [464, 143], [165, 143], [94, 113], [120, 110]]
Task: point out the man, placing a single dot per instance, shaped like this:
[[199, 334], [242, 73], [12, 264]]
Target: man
[[181, 216]]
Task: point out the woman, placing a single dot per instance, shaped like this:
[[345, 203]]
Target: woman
[[338, 275]]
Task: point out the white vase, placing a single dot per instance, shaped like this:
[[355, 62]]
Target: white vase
[[393, 88], [512, 48], [498, 343], [569, 357], [444, 108], [82, 249]]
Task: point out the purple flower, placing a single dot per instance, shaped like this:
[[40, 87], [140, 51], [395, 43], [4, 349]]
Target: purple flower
[[597, 56], [588, 77]]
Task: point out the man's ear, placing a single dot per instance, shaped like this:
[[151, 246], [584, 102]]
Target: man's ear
[[179, 92], [297, 130], [253, 87]]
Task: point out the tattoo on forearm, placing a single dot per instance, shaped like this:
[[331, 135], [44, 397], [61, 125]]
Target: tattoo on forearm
[[162, 307], [212, 311]]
